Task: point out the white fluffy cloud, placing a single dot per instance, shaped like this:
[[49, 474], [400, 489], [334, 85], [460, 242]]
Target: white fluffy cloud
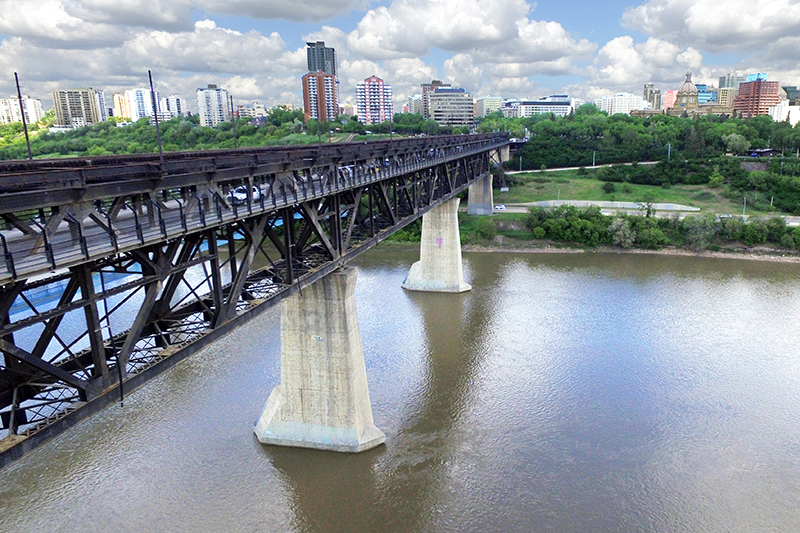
[[735, 25]]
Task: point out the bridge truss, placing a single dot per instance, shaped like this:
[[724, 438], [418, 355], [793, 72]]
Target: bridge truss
[[114, 269]]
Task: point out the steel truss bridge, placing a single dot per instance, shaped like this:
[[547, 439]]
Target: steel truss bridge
[[115, 268]]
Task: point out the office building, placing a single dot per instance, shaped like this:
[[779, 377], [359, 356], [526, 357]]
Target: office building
[[652, 96], [451, 107], [732, 81], [560, 105], [76, 107], [427, 90], [785, 112], [321, 58], [792, 93], [620, 103], [213, 106], [487, 104], [320, 99], [756, 97], [374, 101], [10, 110]]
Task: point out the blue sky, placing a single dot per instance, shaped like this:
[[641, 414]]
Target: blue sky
[[509, 48]]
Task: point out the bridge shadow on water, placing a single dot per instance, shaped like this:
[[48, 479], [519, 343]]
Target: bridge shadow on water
[[400, 486]]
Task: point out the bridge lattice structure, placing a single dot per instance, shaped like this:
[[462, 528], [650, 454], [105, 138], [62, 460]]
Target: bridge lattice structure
[[115, 268]]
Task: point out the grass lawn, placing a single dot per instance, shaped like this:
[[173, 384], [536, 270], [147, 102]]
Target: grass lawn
[[569, 185]]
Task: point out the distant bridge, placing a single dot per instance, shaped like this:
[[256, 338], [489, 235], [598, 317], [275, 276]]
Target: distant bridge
[[115, 268]]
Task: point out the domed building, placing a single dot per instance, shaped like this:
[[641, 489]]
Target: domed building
[[686, 99]]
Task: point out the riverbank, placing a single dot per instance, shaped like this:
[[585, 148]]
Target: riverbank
[[754, 253], [751, 254]]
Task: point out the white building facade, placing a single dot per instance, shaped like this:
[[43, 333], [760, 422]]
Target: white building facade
[[487, 104], [451, 107], [620, 103], [558, 104], [213, 106], [374, 101], [10, 110], [140, 103], [783, 112], [174, 106]]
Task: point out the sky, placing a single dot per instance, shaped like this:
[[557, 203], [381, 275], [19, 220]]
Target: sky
[[507, 48]]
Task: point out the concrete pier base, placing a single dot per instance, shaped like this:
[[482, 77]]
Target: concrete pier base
[[481, 197], [439, 265], [322, 401]]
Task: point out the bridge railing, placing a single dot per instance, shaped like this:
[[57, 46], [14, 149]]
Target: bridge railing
[[151, 221]]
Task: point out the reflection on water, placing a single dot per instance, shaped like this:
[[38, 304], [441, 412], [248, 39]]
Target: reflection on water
[[574, 392]]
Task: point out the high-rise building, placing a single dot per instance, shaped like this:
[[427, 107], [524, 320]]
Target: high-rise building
[[427, 90], [101, 103], [140, 103], [374, 101], [620, 103], [213, 106], [174, 106], [10, 110], [792, 93], [784, 112], [415, 104], [76, 107], [451, 107], [652, 96], [726, 95], [320, 100], [487, 104], [122, 109], [668, 100], [732, 80], [756, 97], [321, 58]]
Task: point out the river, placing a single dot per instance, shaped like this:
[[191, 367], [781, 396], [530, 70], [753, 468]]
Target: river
[[565, 392]]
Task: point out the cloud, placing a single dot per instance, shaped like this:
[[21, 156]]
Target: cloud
[[294, 10], [736, 25], [410, 28]]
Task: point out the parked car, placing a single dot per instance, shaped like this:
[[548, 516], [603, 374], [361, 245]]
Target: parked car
[[500, 207], [238, 196]]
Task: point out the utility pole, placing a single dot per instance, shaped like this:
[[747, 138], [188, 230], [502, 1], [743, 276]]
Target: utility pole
[[155, 115], [24, 121]]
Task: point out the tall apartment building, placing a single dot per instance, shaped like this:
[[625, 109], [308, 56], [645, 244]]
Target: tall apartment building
[[10, 110], [213, 106], [756, 97], [668, 99], [374, 101], [76, 107], [620, 103], [487, 104], [652, 96], [321, 58], [140, 103], [174, 106], [320, 100], [122, 109], [414, 104], [427, 90], [451, 107]]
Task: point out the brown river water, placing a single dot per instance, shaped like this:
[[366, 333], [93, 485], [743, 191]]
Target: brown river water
[[565, 392]]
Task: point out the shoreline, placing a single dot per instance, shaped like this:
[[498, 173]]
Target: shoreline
[[754, 254]]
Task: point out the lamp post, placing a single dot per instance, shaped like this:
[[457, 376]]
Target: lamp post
[[594, 153], [520, 163], [669, 151], [744, 206]]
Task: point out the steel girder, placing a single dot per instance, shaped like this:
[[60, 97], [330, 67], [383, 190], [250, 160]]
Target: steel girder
[[67, 337]]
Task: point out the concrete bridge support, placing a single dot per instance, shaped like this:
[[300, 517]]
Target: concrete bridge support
[[481, 197], [322, 401], [439, 265]]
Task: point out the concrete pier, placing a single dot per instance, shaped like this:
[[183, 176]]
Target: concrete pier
[[439, 265], [481, 197], [322, 401]]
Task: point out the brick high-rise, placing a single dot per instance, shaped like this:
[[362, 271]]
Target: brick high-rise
[[756, 97], [320, 100]]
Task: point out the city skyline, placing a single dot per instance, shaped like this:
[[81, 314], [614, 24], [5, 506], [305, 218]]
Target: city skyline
[[510, 48]]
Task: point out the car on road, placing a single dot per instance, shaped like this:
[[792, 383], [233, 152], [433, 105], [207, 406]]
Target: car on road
[[500, 207], [238, 196]]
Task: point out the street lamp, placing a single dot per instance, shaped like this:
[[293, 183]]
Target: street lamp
[[669, 151], [594, 153], [520, 163], [744, 206]]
